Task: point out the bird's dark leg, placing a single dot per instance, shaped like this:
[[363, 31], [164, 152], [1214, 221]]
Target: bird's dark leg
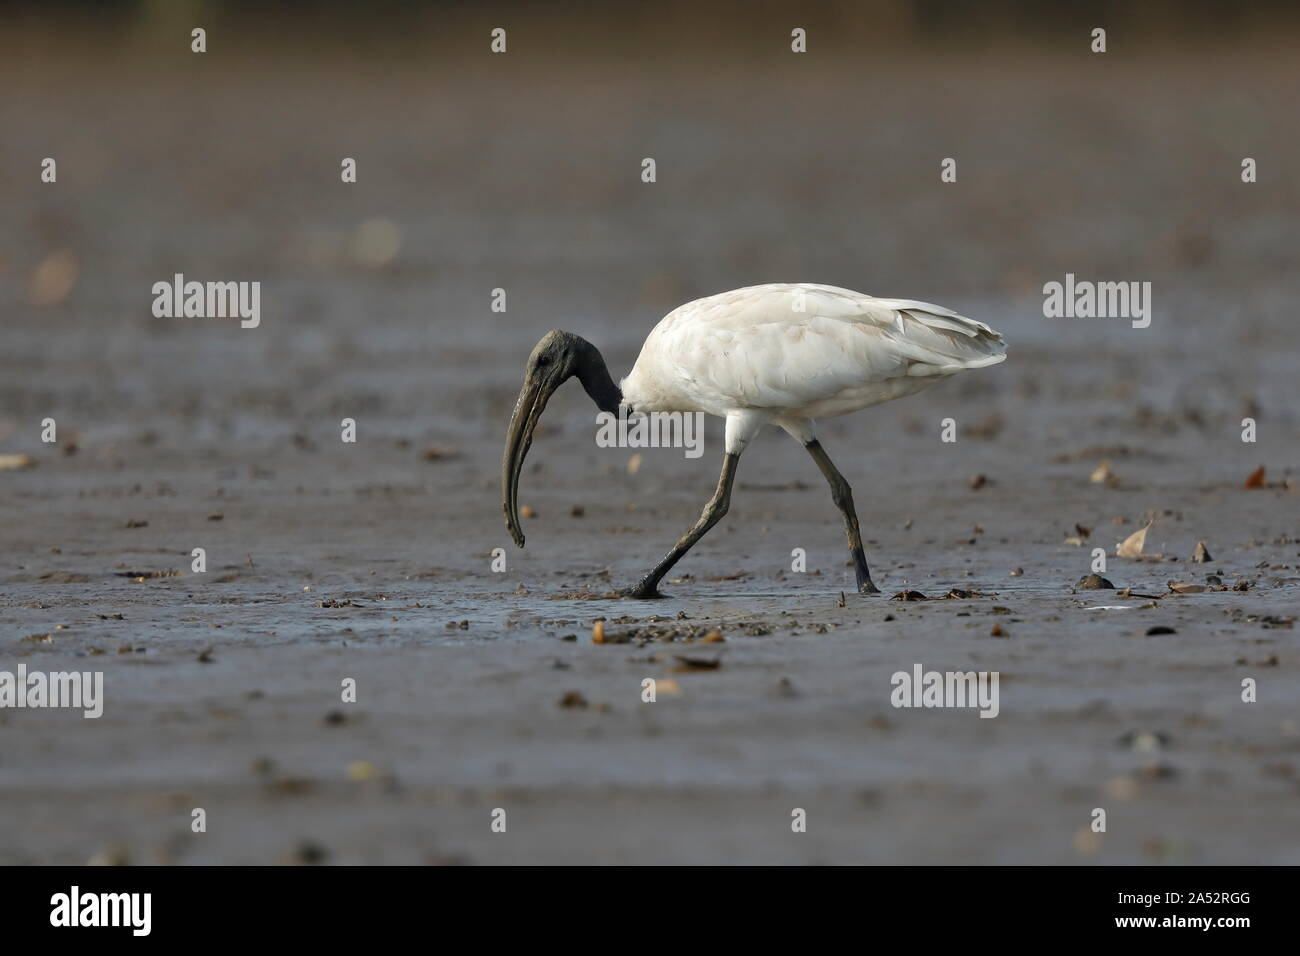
[[648, 586], [842, 495]]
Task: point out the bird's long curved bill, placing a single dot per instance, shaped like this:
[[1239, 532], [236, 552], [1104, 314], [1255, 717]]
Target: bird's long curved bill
[[519, 438]]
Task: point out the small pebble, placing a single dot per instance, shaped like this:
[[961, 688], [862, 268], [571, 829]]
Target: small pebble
[[573, 699], [1094, 582]]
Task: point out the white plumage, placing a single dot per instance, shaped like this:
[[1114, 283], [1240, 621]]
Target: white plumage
[[787, 353]]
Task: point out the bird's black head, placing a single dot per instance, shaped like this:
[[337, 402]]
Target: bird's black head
[[556, 358]]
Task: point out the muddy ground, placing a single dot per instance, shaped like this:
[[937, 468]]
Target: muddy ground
[[479, 690]]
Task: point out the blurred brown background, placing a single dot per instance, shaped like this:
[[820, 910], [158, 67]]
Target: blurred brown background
[[521, 171]]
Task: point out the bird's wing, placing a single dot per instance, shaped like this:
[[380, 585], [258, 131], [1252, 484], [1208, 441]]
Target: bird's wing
[[783, 346]]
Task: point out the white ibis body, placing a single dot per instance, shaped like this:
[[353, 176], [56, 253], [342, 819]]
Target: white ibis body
[[781, 354]]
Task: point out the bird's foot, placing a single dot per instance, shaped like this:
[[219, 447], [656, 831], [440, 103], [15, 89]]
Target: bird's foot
[[643, 591], [866, 587]]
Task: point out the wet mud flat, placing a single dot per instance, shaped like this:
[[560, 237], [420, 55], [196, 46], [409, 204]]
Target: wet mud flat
[[478, 689]]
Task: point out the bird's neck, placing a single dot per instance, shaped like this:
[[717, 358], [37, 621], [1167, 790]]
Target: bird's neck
[[594, 376]]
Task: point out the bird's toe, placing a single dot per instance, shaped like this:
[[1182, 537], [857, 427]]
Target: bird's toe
[[866, 587], [640, 592]]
